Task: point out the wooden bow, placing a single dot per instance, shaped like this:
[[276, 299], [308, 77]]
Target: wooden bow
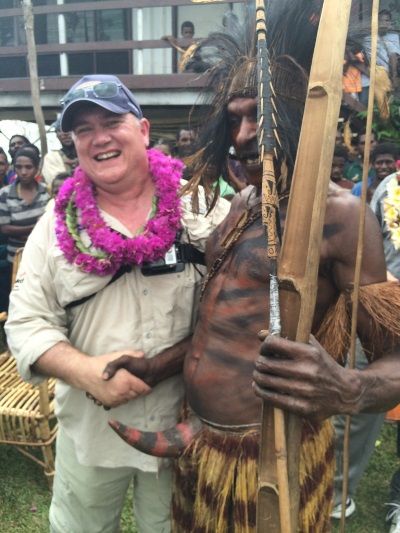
[[299, 261], [360, 245]]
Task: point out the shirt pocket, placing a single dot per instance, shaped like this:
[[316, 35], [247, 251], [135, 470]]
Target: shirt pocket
[[177, 297], [72, 284]]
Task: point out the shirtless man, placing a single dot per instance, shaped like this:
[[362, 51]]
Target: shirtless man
[[304, 379], [216, 477]]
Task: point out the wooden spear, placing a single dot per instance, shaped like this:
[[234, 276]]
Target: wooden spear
[[275, 490], [360, 248], [300, 253], [33, 73]]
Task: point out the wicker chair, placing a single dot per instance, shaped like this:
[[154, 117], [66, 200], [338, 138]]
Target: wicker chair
[[27, 419]]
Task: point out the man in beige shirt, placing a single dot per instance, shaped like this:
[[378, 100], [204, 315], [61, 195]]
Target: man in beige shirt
[[110, 271], [59, 161]]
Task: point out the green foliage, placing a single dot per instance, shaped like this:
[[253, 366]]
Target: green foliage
[[386, 130]]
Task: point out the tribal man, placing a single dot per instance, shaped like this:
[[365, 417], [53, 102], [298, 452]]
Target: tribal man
[[216, 476]]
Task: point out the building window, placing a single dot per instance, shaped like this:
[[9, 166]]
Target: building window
[[13, 67], [82, 63], [49, 65], [7, 32], [99, 63], [12, 32], [80, 26], [105, 25], [113, 62], [112, 25], [46, 29]]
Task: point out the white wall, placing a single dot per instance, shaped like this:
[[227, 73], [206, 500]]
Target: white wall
[[206, 18], [8, 128], [152, 23]]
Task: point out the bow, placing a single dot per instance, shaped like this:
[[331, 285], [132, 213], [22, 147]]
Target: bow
[[299, 260], [359, 253]]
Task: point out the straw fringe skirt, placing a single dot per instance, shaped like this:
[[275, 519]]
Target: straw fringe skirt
[[215, 487]]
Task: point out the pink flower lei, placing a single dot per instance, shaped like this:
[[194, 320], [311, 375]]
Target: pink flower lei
[[76, 211]]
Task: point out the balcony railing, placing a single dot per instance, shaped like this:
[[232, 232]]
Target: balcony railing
[[123, 37]]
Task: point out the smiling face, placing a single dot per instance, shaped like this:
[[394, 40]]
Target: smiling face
[[25, 169], [111, 148], [384, 165], [242, 116]]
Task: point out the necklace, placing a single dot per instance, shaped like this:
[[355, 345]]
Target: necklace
[[245, 220], [77, 214], [391, 208]]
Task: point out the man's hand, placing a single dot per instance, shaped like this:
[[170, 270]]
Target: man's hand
[[154, 370], [114, 385], [121, 387], [304, 379], [138, 366]]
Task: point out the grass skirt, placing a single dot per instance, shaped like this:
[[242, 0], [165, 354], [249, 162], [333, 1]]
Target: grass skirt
[[215, 489]]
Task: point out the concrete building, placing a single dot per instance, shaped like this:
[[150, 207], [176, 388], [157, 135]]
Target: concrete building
[[121, 37]]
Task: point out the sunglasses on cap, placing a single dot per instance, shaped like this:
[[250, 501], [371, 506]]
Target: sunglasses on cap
[[103, 89]]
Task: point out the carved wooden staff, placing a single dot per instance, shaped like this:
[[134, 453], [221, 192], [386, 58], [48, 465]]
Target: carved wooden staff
[[274, 491], [360, 247], [300, 253]]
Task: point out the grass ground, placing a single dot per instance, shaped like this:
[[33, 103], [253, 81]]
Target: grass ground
[[25, 498], [373, 490]]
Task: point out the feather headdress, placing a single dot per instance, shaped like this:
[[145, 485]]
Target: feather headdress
[[232, 60]]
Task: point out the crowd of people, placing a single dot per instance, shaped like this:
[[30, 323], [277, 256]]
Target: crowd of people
[[365, 428], [142, 289], [356, 71], [27, 184], [347, 169]]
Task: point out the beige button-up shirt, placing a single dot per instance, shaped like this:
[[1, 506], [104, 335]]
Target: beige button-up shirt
[[134, 312]]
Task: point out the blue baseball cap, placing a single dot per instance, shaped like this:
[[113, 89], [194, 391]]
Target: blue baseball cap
[[103, 90]]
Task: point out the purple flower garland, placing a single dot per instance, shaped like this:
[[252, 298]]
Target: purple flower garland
[[76, 210]]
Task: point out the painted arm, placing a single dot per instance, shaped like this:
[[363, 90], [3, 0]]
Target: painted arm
[[303, 378], [152, 371]]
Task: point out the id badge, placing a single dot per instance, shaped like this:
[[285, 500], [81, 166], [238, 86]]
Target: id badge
[[170, 256]]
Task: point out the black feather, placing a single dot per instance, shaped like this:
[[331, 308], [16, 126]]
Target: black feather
[[292, 27]]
